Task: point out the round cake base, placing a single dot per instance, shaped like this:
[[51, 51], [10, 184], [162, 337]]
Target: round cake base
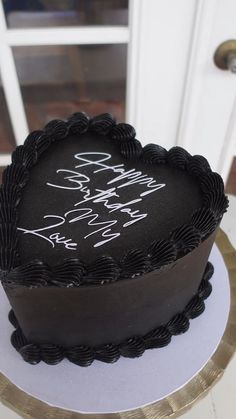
[[129, 383]]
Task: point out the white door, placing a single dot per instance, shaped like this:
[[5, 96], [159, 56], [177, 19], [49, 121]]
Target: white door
[[179, 96], [148, 60]]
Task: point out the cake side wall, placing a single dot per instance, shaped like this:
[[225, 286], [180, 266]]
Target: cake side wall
[[95, 315]]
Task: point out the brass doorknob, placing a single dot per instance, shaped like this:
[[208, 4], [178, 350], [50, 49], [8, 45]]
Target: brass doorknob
[[225, 56]]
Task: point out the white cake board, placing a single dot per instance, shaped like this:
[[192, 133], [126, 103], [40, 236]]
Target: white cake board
[[129, 383]]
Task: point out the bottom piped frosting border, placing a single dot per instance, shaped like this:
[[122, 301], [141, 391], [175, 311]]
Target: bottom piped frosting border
[[131, 348]]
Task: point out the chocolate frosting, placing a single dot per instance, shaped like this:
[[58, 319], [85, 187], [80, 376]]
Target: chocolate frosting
[[132, 347], [183, 214], [85, 296], [95, 315]]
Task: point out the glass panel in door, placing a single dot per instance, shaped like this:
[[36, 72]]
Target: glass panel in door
[[7, 141], [51, 13], [60, 79]]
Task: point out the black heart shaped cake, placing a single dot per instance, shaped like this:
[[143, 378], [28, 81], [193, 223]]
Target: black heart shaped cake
[[104, 243]]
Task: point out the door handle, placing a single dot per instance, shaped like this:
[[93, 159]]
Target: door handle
[[225, 56]]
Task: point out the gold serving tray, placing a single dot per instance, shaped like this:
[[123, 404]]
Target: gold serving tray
[[172, 406]]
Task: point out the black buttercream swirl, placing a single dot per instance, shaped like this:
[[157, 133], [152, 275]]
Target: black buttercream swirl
[[32, 139], [208, 272], [157, 338], [10, 195], [80, 355], [204, 289], [178, 324], [134, 263], [185, 238], [51, 354], [12, 319], [105, 269], [197, 165], [217, 202], [9, 259], [195, 307], [32, 274], [103, 123], [56, 129], [8, 236], [154, 154], [204, 220], [133, 347], [18, 340], [78, 123], [9, 256], [8, 214], [31, 353], [26, 156], [131, 150], [161, 253], [43, 144], [15, 174], [38, 141], [181, 241], [107, 353], [212, 182], [178, 157], [67, 274], [122, 132]]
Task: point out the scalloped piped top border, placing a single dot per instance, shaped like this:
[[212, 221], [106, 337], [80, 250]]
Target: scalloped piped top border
[[74, 272]]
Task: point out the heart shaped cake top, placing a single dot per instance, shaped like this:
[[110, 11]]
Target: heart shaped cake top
[[84, 199]]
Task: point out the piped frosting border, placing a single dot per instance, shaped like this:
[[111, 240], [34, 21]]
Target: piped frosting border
[[72, 271], [133, 347]]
